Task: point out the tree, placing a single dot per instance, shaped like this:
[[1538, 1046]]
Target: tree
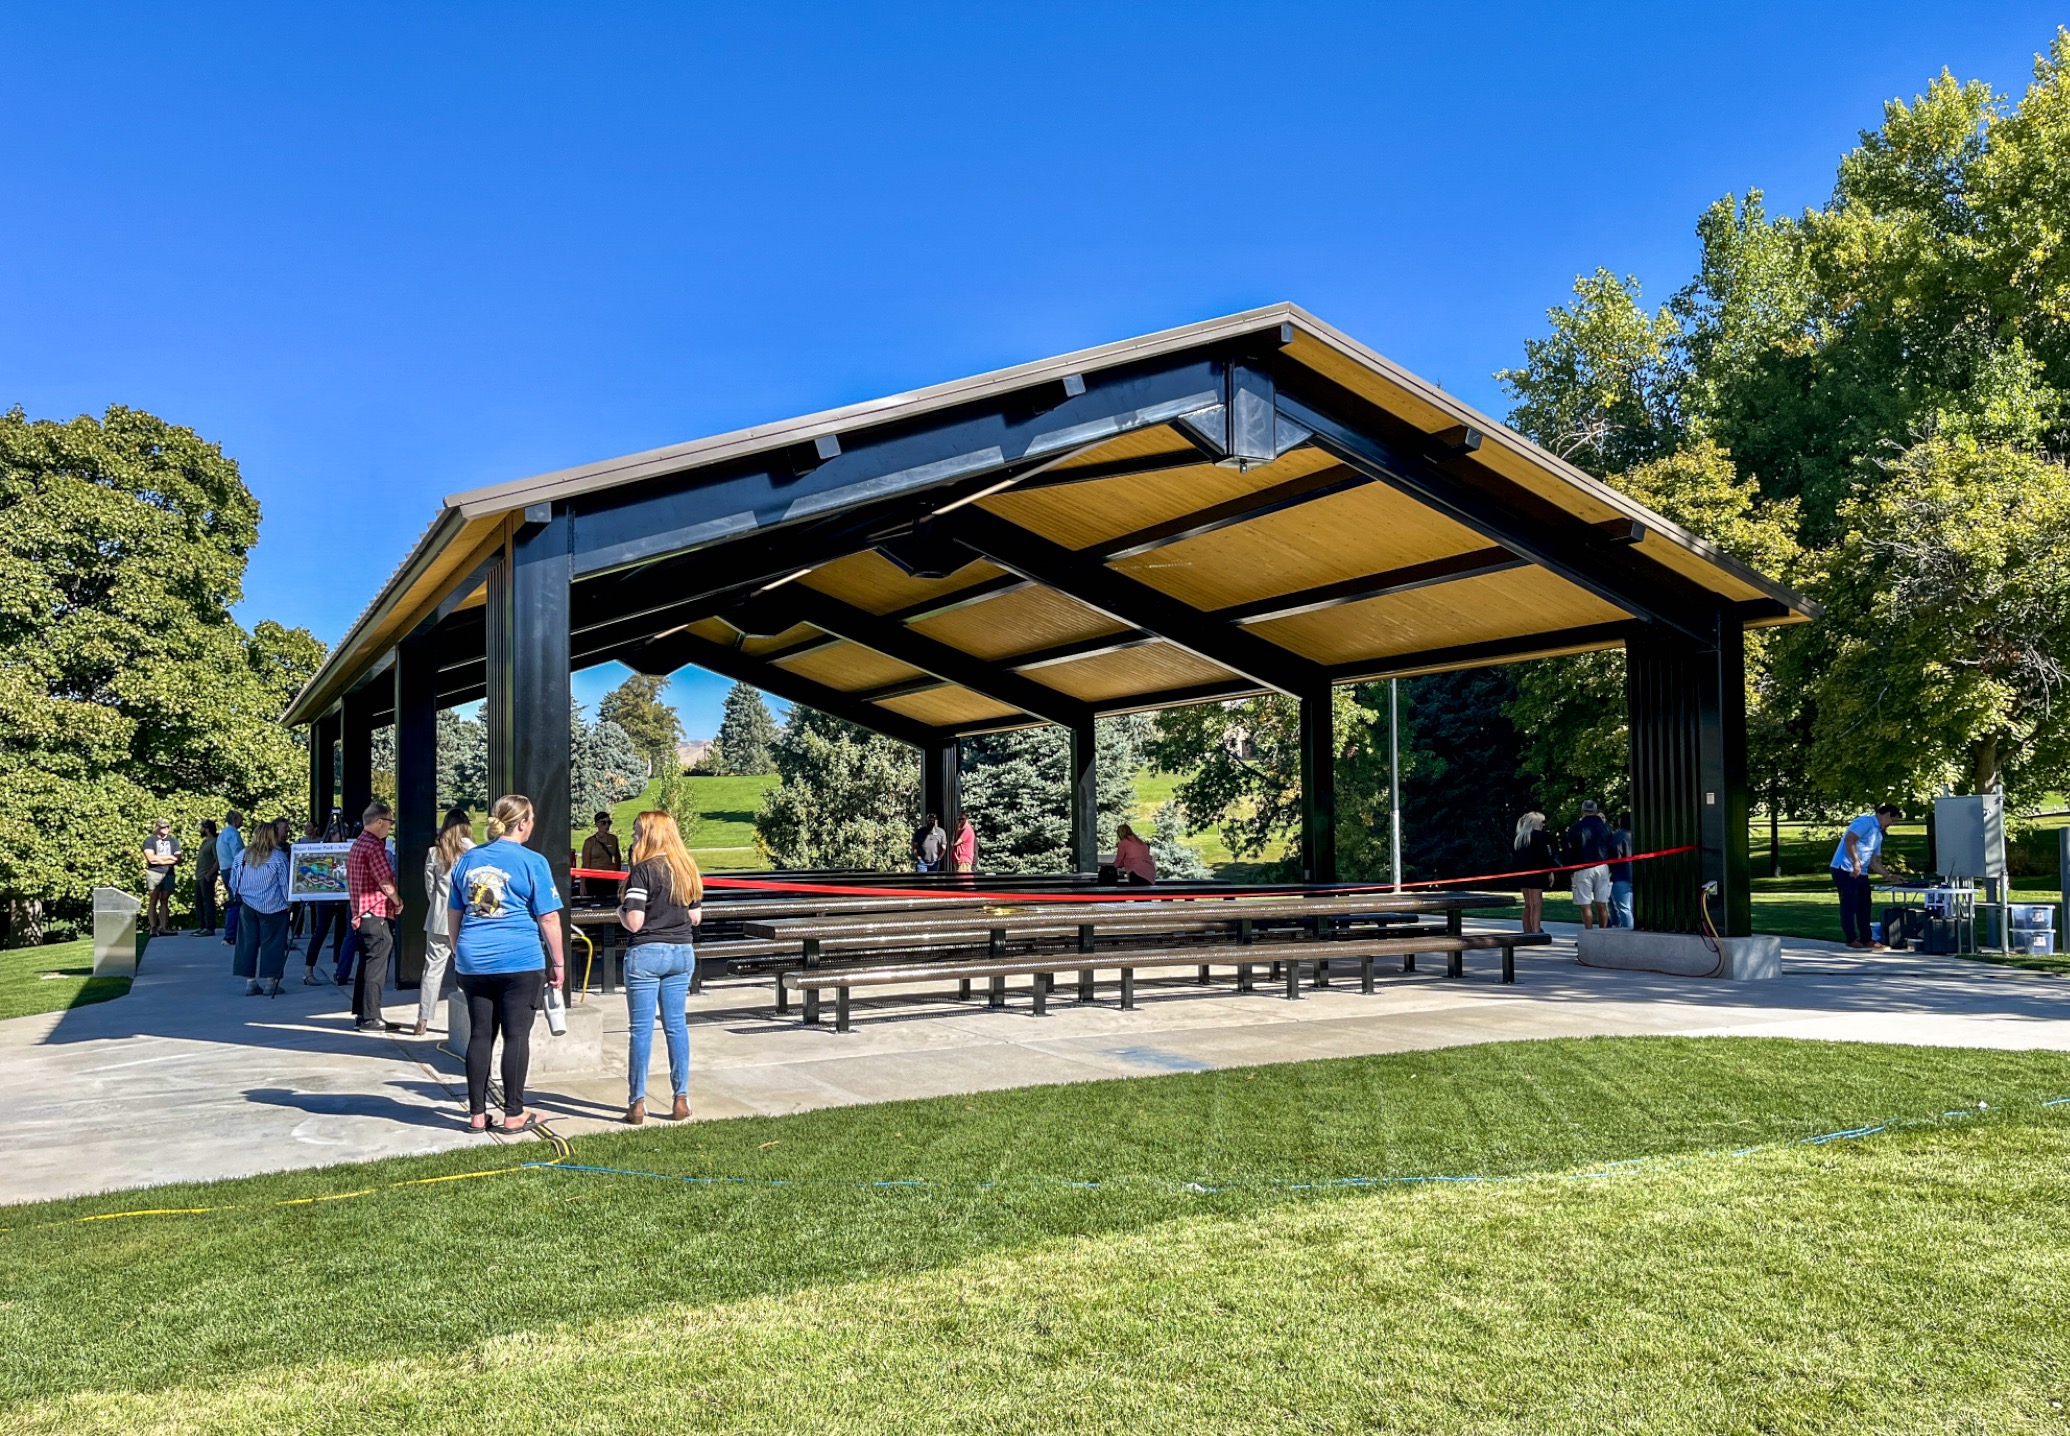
[[127, 690], [675, 795], [1239, 765], [845, 797], [463, 762], [635, 706], [1016, 790], [1604, 388], [1950, 661], [746, 732], [1177, 860], [604, 767]]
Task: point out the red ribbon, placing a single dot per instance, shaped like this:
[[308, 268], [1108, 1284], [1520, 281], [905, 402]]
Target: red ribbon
[[1133, 894]]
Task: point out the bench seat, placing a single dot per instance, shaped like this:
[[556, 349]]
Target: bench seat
[[1288, 956]]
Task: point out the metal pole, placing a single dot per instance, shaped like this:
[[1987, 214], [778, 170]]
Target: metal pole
[[1394, 772]]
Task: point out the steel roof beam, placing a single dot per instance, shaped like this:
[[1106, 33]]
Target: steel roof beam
[[931, 655], [1137, 604], [665, 655], [1528, 526]]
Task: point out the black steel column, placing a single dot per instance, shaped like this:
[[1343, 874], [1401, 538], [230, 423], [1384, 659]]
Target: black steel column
[[1688, 723], [941, 781], [323, 767], [528, 700], [356, 744], [416, 791], [1085, 799], [1318, 788]]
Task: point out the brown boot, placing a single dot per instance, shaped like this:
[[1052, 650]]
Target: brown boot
[[636, 1113], [681, 1111]]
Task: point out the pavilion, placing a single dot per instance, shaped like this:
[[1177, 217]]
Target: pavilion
[[1250, 504]]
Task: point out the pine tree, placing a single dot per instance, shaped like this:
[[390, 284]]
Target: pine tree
[[747, 733], [846, 797]]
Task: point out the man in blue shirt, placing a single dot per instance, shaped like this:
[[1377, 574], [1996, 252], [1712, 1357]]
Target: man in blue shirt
[[229, 848], [1855, 860]]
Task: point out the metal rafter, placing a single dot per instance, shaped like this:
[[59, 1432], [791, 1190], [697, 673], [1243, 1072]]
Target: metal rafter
[[930, 655], [1137, 604], [666, 654]]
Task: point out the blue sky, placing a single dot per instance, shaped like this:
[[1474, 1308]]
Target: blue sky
[[387, 254]]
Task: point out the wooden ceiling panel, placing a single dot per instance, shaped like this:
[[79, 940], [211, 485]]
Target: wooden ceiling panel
[[1496, 453], [868, 580], [1471, 610], [947, 707], [1081, 515], [848, 667], [1022, 621], [1363, 530], [1149, 669]]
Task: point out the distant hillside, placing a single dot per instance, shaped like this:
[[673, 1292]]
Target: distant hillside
[[691, 753]]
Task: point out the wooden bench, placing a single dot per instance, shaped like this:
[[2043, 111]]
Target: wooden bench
[[1239, 916], [1287, 956]]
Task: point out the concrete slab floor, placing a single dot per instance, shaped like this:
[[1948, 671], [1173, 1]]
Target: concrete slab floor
[[188, 1079]]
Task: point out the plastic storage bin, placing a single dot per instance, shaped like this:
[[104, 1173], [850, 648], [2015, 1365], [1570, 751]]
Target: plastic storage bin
[[2034, 943], [2032, 916]]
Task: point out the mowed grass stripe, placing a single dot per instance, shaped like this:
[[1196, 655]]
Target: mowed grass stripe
[[1911, 1281], [151, 1303]]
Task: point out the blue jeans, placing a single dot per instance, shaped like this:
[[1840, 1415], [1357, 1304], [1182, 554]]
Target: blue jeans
[[658, 974], [1620, 904]]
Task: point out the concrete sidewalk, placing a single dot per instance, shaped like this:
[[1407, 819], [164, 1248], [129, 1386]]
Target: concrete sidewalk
[[187, 1079]]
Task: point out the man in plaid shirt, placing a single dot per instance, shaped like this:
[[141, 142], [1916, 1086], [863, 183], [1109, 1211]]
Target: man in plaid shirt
[[375, 903]]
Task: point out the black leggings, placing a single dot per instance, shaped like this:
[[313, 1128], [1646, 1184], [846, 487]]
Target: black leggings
[[505, 1002]]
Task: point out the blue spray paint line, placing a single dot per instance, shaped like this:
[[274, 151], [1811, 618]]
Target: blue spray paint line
[[1603, 1173]]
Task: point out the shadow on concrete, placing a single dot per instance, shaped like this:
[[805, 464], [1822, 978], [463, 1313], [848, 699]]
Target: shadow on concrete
[[367, 1104]]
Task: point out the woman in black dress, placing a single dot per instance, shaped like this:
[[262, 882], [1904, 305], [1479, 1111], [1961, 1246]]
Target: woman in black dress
[[1534, 849]]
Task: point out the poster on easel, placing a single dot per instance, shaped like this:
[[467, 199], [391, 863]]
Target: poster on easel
[[316, 872]]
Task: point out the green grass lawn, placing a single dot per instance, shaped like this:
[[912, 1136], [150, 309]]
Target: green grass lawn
[[725, 833], [53, 978], [1178, 1253]]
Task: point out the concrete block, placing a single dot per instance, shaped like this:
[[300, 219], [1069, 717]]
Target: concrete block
[[114, 933], [1680, 954], [577, 1053]]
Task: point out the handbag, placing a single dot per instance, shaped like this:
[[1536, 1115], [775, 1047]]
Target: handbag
[[556, 1012]]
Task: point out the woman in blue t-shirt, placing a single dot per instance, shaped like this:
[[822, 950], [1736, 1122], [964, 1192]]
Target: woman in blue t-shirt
[[506, 948]]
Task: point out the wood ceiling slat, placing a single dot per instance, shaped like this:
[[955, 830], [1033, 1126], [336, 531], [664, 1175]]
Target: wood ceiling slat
[[1360, 531], [1082, 515], [848, 667], [1019, 622], [1148, 669], [945, 707], [1473, 610], [871, 581]]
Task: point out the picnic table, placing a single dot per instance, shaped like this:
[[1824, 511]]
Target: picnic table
[[1234, 917]]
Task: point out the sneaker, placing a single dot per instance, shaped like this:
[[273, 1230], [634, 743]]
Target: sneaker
[[310, 979], [252, 988], [274, 990]]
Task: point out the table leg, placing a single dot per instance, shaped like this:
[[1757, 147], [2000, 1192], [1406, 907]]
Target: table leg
[[1128, 989], [811, 993], [1042, 994], [1085, 984], [841, 1009]]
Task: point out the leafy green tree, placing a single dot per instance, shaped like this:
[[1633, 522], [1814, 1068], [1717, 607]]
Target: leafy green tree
[[676, 795], [1239, 765], [747, 733], [635, 706], [1604, 387], [127, 690], [1954, 668], [845, 797]]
